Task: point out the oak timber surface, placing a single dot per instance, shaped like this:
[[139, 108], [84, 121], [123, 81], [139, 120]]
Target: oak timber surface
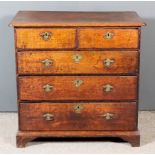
[[64, 88], [90, 117], [75, 50], [31, 62], [31, 38], [52, 18]]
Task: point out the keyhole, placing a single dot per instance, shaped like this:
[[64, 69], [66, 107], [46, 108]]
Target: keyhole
[[108, 35], [78, 108], [77, 58], [78, 83]]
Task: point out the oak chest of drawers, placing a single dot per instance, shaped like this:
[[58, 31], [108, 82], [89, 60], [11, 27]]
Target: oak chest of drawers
[[77, 74]]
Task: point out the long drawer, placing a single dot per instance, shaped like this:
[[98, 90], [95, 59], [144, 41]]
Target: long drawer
[[74, 62], [77, 116], [108, 38], [78, 88], [45, 38]]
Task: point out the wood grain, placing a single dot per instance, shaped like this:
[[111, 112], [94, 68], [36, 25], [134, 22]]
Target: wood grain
[[94, 38], [63, 18], [90, 62], [60, 38], [23, 137], [66, 118], [124, 88]]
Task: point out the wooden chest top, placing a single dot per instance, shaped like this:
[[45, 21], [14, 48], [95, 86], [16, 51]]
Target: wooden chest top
[[52, 18]]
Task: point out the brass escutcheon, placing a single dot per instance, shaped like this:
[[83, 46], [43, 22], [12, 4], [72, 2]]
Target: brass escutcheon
[[78, 108], [108, 35], [46, 35], [77, 58], [78, 82]]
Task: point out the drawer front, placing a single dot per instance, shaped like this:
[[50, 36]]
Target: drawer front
[[70, 116], [108, 38], [78, 88], [74, 62], [45, 38]]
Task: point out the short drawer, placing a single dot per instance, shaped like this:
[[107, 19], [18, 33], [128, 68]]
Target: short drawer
[[77, 88], [45, 38], [82, 116], [108, 38], [74, 62]]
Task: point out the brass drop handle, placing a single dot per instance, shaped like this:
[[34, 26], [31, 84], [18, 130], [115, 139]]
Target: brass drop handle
[[47, 62], [46, 35], [108, 62], [108, 35], [107, 88], [108, 116], [47, 88], [48, 117]]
